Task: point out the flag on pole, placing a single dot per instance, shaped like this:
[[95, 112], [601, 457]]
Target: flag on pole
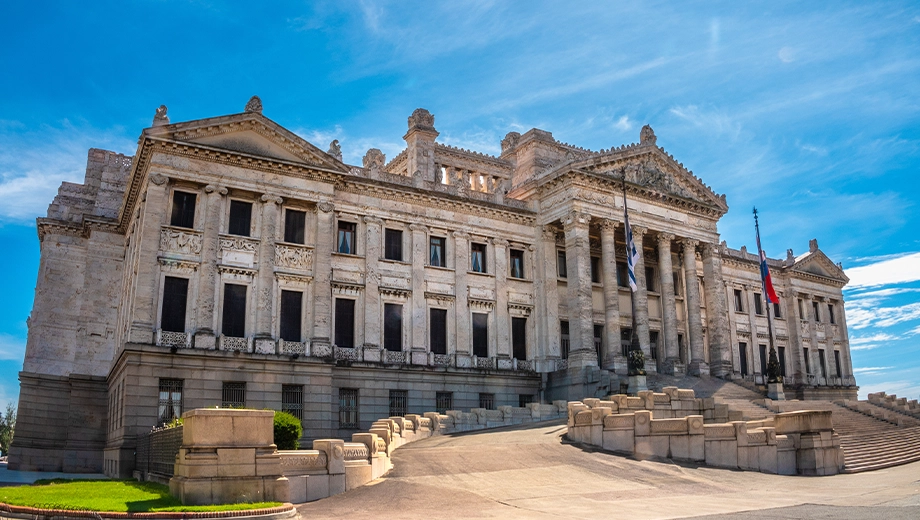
[[765, 274], [632, 255]]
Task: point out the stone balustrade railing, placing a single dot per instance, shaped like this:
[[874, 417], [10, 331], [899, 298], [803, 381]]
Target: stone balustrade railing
[[653, 426], [893, 402]]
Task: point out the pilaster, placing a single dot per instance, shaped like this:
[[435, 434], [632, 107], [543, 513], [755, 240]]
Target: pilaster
[[419, 304], [580, 310], [671, 353], [698, 366], [265, 315], [207, 273], [322, 274], [611, 351], [461, 267], [502, 318], [547, 294], [372, 307], [143, 318]]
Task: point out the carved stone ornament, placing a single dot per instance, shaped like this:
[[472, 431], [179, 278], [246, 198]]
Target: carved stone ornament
[[160, 118], [665, 238], [647, 135], [238, 244], [421, 118], [510, 141], [210, 188], [576, 218], [182, 242], [254, 105], [608, 224], [158, 179], [325, 206], [271, 199], [293, 257], [335, 150], [374, 159]]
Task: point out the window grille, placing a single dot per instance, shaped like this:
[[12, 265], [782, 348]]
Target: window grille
[[175, 297], [478, 258], [398, 403], [653, 343], [348, 408], [295, 222], [625, 341], [292, 400], [392, 327], [480, 334], [233, 395], [170, 405], [487, 401], [517, 264], [443, 401], [436, 250], [233, 323], [438, 331], [393, 244], [240, 218], [291, 315], [183, 210], [346, 242], [344, 323], [519, 338]]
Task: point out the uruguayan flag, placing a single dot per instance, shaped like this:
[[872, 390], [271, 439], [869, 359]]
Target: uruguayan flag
[[632, 254]]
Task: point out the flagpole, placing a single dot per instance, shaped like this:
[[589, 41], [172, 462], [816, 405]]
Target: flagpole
[[773, 373], [634, 336]]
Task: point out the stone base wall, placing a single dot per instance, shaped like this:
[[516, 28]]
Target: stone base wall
[[826, 393]]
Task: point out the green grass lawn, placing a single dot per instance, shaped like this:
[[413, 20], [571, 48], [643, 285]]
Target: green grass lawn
[[107, 495]]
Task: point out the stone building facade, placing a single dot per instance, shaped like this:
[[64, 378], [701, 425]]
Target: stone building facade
[[231, 263]]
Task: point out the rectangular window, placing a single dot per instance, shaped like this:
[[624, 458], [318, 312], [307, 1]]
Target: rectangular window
[[758, 304], [399, 403], [564, 339], [561, 265], [653, 343], [478, 258], [519, 337], [777, 311], [348, 408], [781, 352], [438, 331], [763, 359], [292, 400], [291, 315], [175, 296], [436, 251], [822, 358], [443, 401], [680, 348], [622, 274], [595, 269], [837, 363], [801, 310], [742, 354], [487, 401], [807, 361], [240, 218], [739, 301], [817, 315], [233, 395], [392, 327], [517, 264], [170, 405], [830, 314], [233, 323], [183, 210], [393, 245], [650, 284], [346, 238], [676, 278], [344, 323], [625, 341], [524, 400], [598, 340], [480, 334], [295, 222]]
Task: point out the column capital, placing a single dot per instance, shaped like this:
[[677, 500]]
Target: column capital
[[460, 235], [639, 232], [212, 188], [270, 198], [325, 206], [688, 243], [549, 232], [373, 220], [608, 224], [499, 242], [575, 218], [664, 238], [709, 249], [418, 227]]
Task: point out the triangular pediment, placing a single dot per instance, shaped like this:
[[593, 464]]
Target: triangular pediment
[[252, 134], [817, 263]]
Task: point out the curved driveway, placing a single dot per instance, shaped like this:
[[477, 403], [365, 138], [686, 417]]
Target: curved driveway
[[528, 471]]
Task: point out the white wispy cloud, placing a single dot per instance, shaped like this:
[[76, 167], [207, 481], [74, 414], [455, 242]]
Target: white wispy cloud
[[880, 317], [901, 269], [870, 370], [623, 124], [12, 347]]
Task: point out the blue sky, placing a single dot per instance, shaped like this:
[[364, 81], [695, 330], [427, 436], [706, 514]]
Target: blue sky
[[809, 111]]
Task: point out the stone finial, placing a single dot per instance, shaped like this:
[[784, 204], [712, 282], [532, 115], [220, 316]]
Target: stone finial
[[374, 158], [254, 105], [790, 258], [647, 135], [335, 150], [813, 245], [421, 118], [510, 141], [160, 118]]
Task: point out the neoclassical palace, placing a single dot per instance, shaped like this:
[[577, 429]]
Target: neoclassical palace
[[231, 263]]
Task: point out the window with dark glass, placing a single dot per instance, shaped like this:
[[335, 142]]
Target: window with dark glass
[[443, 401], [739, 301], [742, 354], [438, 330], [392, 326], [480, 334], [524, 400], [653, 343], [393, 244], [564, 339], [487, 401], [595, 269], [291, 315], [598, 340], [622, 274], [814, 308], [650, 285], [763, 359], [292, 400], [758, 304], [561, 264], [346, 238], [233, 323], [822, 358], [830, 314], [517, 263], [170, 405], [519, 338], [625, 341], [807, 361], [681, 348], [344, 323], [233, 395], [781, 352], [777, 311], [478, 258], [175, 298], [436, 251], [295, 222], [837, 363], [399, 403], [676, 278], [183, 210], [801, 310], [348, 408], [240, 218]]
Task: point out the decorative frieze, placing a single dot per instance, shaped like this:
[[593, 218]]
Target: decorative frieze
[[292, 347], [347, 354], [298, 258], [232, 344], [167, 338], [178, 266], [181, 241], [395, 358]]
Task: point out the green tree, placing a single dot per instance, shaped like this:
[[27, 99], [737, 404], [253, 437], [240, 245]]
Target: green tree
[[7, 426]]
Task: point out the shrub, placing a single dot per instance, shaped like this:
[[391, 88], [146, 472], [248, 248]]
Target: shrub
[[287, 431]]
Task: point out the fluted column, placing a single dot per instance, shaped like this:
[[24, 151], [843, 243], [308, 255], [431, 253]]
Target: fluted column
[[611, 295], [720, 349], [581, 313], [502, 318], [547, 294], [671, 353], [698, 366], [265, 285], [641, 300], [419, 304], [462, 302], [154, 216], [322, 274], [207, 273], [372, 335]]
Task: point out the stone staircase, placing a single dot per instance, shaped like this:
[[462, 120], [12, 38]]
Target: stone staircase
[[877, 450]]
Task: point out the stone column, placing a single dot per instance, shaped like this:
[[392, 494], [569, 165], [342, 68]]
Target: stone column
[[547, 295], [419, 304], [265, 279], [640, 297], [372, 336], [668, 304], [698, 366], [462, 307], [611, 295], [154, 217], [720, 347], [322, 275], [581, 312], [207, 273], [502, 318]]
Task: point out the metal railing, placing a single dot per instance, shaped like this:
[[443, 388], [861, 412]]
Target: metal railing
[[156, 451]]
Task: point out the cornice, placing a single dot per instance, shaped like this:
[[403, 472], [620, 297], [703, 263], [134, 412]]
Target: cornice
[[90, 223]]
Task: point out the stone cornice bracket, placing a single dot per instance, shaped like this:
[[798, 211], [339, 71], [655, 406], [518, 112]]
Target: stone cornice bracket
[[325, 206], [210, 188], [373, 220], [576, 218], [460, 234], [608, 224], [665, 238], [158, 179], [254, 105], [499, 242], [271, 199], [418, 227]]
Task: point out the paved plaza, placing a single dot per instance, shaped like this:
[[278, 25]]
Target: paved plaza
[[529, 471]]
